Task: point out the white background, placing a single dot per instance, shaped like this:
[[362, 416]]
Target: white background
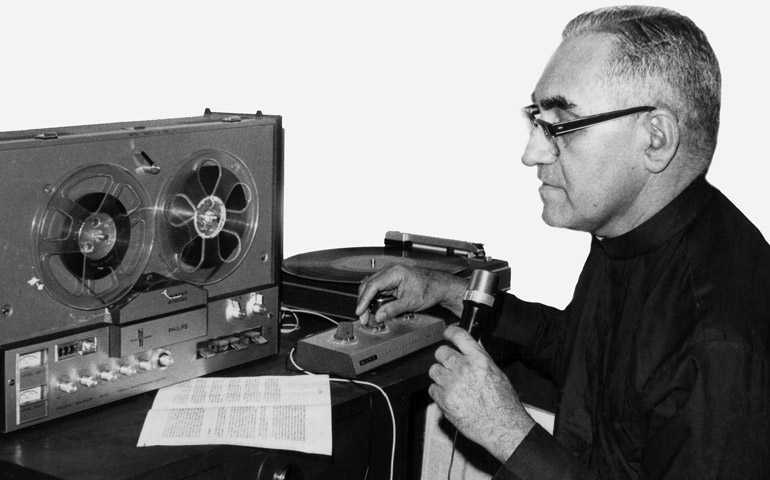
[[399, 115]]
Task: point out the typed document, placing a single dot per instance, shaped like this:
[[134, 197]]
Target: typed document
[[280, 412]]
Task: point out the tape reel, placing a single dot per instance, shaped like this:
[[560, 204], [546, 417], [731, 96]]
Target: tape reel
[[207, 217], [91, 240], [94, 237]]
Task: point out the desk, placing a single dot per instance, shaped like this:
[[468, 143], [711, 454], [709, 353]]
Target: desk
[[101, 443]]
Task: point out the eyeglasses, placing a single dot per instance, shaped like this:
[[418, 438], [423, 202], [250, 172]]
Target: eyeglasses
[[553, 130]]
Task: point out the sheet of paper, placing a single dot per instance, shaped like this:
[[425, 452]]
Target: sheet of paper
[[280, 412], [546, 419]]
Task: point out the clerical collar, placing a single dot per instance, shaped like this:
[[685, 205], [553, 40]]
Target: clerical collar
[[670, 220]]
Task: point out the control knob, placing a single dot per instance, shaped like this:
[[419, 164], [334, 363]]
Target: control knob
[[127, 370], [235, 311], [67, 386], [145, 364], [257, 304], [165, 359], [88, 381], [108, 375]]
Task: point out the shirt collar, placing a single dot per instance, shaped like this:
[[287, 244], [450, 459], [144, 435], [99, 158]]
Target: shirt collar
[[669, 221]]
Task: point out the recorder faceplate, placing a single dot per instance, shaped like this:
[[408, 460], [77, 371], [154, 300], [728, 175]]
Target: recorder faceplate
[[135, 255]]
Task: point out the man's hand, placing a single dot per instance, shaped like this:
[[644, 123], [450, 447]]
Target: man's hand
[[414, 290], [477, 397]]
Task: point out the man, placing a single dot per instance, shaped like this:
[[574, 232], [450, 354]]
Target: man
[[661, 358]]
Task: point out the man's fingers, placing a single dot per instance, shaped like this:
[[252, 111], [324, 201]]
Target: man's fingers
[[436, 394], [435, 373], [366, 293], [445, 355], [462, 340], [383, 282], [391, 309]]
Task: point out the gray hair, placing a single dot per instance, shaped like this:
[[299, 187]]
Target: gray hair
[[664, 57]]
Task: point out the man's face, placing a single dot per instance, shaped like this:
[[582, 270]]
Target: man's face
[[593, 183]]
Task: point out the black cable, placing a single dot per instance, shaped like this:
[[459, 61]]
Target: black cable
[[452, 456]]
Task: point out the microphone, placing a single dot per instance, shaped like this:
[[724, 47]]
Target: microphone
[[478, 301]]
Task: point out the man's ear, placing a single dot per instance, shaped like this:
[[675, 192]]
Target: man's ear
[[663, 131]]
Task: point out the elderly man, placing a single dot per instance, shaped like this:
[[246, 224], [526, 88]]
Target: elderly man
[[661, 357]]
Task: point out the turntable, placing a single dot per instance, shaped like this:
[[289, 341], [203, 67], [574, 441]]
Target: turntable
[[327, 282]]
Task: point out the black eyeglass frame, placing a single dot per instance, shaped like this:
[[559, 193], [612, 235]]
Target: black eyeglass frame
[[569, 126]]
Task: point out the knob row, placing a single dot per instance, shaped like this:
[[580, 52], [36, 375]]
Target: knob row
[[160, 359]]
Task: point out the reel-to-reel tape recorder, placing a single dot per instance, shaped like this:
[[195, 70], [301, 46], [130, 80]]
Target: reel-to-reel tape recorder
[[134, 256]]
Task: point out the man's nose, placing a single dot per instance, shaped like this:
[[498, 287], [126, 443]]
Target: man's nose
[[539, 150]]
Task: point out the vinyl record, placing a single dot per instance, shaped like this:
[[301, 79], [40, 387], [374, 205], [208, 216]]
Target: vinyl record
[[352, 265], [92, 239], [207, 217]]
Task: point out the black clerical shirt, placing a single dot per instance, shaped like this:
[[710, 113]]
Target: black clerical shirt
[[661, 358]]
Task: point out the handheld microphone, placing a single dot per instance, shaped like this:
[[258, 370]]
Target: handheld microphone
[[478, 301]]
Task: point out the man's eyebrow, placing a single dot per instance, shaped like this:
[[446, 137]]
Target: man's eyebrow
[[556, 101]]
